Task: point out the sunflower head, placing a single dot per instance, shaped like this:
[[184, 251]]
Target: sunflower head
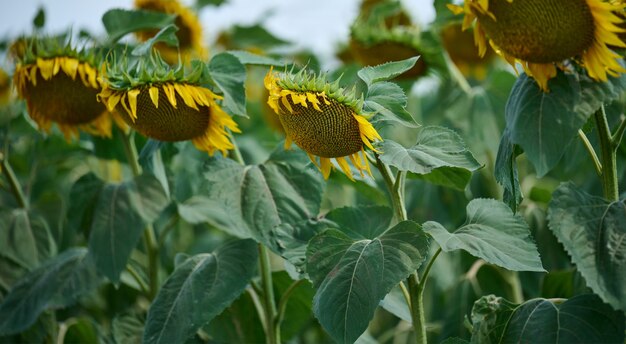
[[541, 34], [462, 51], [60, 84], [168, 104], [322, 119], [5, 87], [375, 40], [189, 32]]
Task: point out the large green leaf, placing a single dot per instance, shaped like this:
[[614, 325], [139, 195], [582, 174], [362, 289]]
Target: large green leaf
[[386, 71], [239, 323], [120, 215], [166, 35], [83, 199], [25, 239], [491, 232], [592, 230], [389, 101], [506, 171], [582, 319], [353, 275], [258, 198], [248, 58], [544, 124], [439, 156], [119, 22], [230, 76], [198, 290], [57, 283]]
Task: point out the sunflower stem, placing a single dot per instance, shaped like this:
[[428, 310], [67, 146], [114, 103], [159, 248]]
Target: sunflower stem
[[269, 304], [16, 188], [608, 154], [150, 242], [591, 151], [394, 189]]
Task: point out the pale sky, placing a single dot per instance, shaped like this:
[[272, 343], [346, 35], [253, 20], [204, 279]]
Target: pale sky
[[315, 24]]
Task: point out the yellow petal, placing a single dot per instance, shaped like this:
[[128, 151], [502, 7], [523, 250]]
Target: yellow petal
[[325, 166], [184, 93], [170, 93], [70, 67], [132, 101], [345, 167], [154, 95], [112, 101], [46, 68]]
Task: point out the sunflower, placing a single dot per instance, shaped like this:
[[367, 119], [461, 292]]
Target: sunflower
[[322, 119], [379, 35], [541, 34], [189, 32], [60, 85], [168, 105], [5, 87], [463, 53]]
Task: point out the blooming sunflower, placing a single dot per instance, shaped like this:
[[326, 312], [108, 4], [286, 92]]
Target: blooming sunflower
[[541, 34], [60, 84], [322, 119], [463, 53], [189, 32], [168, 105], [379, 35]]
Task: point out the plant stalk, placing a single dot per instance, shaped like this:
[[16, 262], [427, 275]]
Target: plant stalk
[[269, 305], [16, 188], [608, 155], [592, 152], [395, 190], [150, 242], [282, 305]]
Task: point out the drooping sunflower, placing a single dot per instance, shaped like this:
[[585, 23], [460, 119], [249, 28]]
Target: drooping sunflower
[[168, 104], [322, 119], [463, 53], [5, 87], [541, 34], [60, 84], [380, 35], [189, 34]]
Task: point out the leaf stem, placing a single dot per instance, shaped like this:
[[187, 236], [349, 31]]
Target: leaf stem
[[591, 151], [16, 188], [608, 154], [150, 242], [395, 189], [269, 305], [282, 305], [616, 139], [144, 287]]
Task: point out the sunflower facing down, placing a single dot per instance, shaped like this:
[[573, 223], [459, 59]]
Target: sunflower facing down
[[322, 119], [5, 87], [168, 105], [60, 86], [189, 32], [541, 34]]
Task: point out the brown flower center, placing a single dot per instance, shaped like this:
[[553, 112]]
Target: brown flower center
[[63, 99], [331, 133], [167, 123], [540, 31]]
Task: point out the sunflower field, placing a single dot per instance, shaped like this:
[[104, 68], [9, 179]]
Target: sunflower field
[[462, 182]]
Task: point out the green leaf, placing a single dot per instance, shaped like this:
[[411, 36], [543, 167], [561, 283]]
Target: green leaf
[[57, 283], [582, 319], [127, 328], [230, 75], [239, 323], [365, 222], [248, 58], [120, 215], [118, 22], [202, 3], [253, 37], [439, 156], [353, 276], [544, 124], [198, 290], [166, 35], [299, 307], [83, 200], [25, 239], [40, 18], [258, 198], [592, 230], [386, 71], [506, 171], [388, 100], [491, 232]]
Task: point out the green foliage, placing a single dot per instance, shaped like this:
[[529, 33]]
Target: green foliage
[[119, 22], [592, 230], [583, 319], [166, 35], [491, 232], [229, 75], [199, 289], [352, 275]]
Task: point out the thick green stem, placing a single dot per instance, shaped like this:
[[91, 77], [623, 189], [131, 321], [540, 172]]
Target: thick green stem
[[16, 188], [150, 242], [608, 155], [269, 305], [417, 309]]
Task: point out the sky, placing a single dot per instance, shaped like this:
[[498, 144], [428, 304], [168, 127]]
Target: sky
[[315, 24]]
